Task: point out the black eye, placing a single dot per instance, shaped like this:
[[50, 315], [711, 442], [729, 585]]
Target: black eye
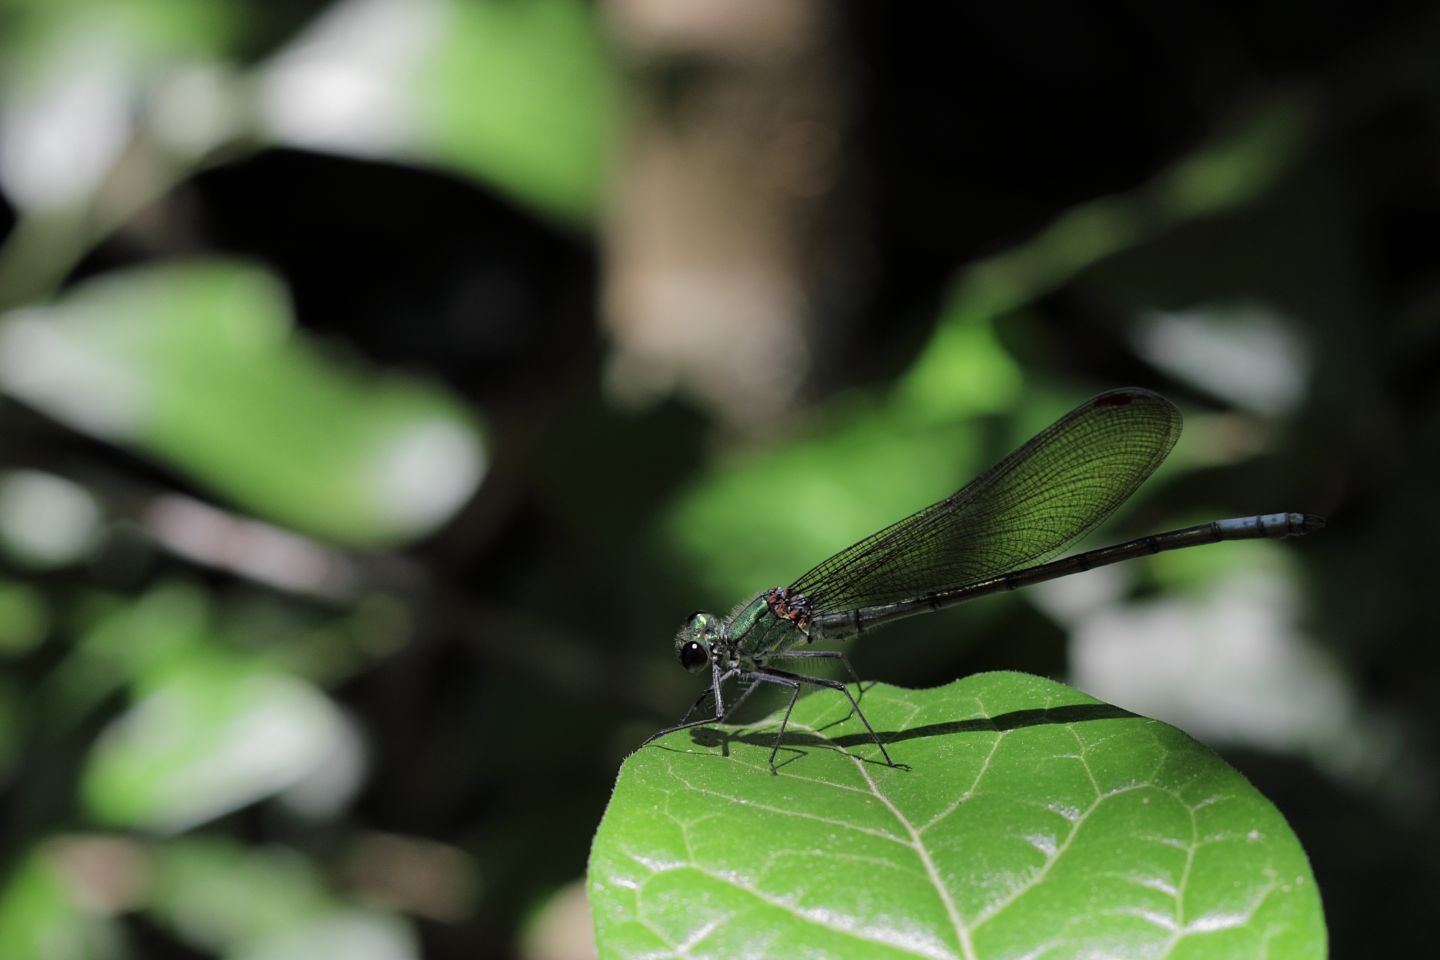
[[693, 656]]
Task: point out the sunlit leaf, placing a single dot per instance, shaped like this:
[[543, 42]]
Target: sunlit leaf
[[520, 95], [198, 364], [211, 728], [1033, 821], [216, 736], [523, 94], [964, 368]]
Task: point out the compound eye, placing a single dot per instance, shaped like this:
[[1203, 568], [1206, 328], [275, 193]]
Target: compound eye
[[693, 656]]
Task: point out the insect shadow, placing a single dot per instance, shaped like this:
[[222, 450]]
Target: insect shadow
[[794, 740]]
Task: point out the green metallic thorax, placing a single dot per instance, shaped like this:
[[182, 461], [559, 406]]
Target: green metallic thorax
[[756, 632]]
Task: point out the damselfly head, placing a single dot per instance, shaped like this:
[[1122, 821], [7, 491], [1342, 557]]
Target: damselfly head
[[692, 643]]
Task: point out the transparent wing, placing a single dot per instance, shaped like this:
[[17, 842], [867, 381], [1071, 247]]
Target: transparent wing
[[1054, 489]]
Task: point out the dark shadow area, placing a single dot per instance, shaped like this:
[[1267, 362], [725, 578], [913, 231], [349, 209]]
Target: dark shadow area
[[1014, 720]]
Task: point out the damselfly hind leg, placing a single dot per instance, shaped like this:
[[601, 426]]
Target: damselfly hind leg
[[783, 678], [827, 655], [793, 681]]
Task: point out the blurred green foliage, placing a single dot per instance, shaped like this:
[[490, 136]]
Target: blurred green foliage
[[153, 31], [313, 644], [523, 95], [199, 365]]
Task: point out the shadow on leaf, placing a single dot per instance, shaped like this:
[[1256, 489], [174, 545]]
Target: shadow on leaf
[[1015, 719]]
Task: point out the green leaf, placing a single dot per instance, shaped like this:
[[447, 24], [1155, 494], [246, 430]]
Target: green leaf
[[200, 365], [1034, 821], [523, 95], [211, 728]]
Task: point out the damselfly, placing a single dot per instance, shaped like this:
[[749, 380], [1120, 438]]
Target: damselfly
[[992, 535]]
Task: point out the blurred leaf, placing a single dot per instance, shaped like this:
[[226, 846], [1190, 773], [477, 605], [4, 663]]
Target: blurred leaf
[[40, 919], [24, 618], [1241, 164], [197, 363], [1190, 569], [219, 894], [561, 927], [1227, 661], [519, 94], [211, 729], [1034, 821], [45, 520], [523, 94], [70, 78], [1235, 169], [141, 640], [355, 934], [218, 735], [1250, 354], [151, 30], [964, 367]]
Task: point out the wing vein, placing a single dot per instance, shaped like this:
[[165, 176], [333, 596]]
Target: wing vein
[[1052, 490]]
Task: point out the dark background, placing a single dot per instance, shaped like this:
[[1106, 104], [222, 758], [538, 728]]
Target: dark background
[[994, 213]]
